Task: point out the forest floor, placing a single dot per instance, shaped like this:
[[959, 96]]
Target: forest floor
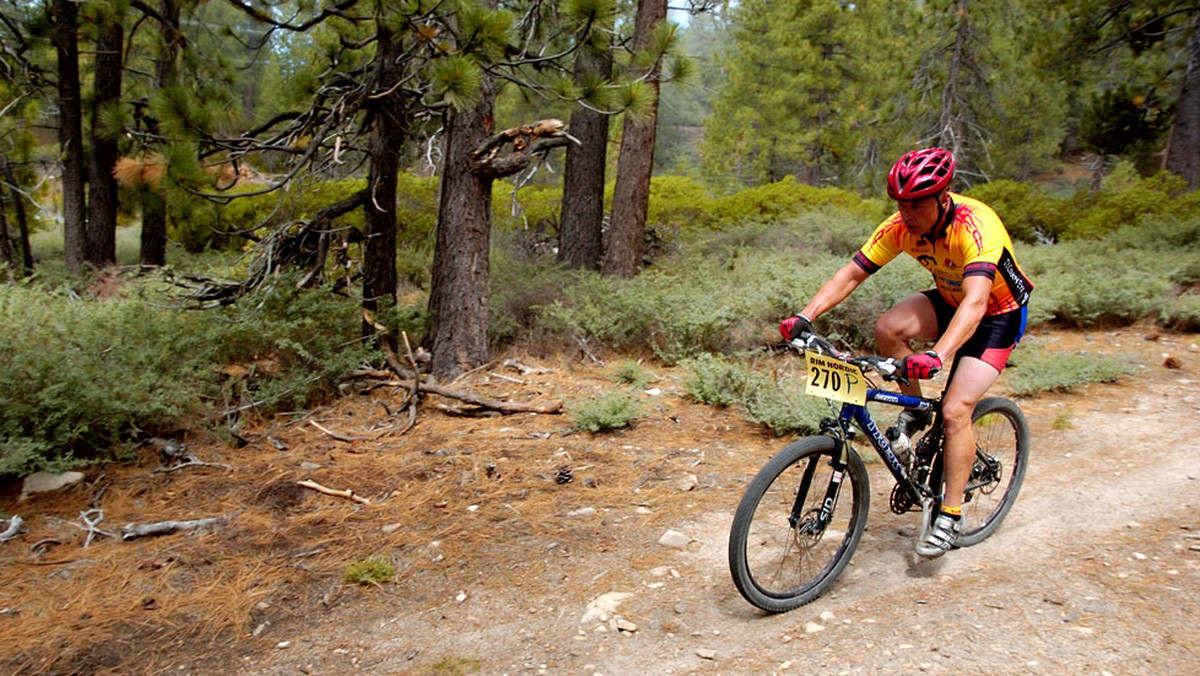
[[504, 566]]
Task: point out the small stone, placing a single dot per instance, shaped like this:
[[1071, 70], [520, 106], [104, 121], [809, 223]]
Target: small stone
[[811, 627], [392, 528], [602, 605], [653, 391], [687, 482], [626, 626], [674, 539], [1139, 556], [309, 465], [827, 616], [283, 644], [582, 511], [706, 654]]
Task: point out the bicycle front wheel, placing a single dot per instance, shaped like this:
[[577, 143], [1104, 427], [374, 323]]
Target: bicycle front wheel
[[798, 524], [1001, 455]]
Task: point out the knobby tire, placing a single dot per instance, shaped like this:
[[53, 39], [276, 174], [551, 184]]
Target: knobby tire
[[778, 567]]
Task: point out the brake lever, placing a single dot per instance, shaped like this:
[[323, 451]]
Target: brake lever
[[893, 373]]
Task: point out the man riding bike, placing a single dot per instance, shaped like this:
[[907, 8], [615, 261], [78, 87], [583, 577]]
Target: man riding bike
[[976, 311]]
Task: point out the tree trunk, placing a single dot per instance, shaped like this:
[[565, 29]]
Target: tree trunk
[[1183, 148], [19, 211], [154, 210], [579, 235], [6, 252], [101, 245], [459, 295], [70, 132], [387, 137], [631, 195], [952, 123]]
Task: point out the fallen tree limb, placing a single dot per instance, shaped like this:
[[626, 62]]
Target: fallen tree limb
[[14, 526], [411, 376], [133, 531], [348, 494], [190, 463], [343, 437]]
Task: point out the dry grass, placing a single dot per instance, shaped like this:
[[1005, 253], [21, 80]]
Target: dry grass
[[452, 492]]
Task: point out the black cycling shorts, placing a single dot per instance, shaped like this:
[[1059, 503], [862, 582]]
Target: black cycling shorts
[[995, 338]]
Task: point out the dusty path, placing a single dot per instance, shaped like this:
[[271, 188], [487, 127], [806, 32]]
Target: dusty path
[[1094, 571]]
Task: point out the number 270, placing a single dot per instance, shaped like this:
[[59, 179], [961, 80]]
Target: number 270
[[826, 379]]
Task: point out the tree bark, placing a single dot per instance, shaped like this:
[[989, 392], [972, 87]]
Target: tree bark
[[387, 136], [952, 124], [1183, 148], [154, 210], [579, 233], [459, 295], [70, 132], [101, 245], [19, 211], [6, 252], [631, 196]]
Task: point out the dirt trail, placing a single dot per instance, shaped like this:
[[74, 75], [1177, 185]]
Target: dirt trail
[[498, 564]]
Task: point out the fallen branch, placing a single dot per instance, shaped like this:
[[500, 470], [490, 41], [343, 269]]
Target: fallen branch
[[133, 531], [399, 369], [14, 527], [190, 463], [342, 437], [348, 494]]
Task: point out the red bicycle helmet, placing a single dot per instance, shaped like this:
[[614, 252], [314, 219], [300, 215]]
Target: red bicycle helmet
[[920, 173]]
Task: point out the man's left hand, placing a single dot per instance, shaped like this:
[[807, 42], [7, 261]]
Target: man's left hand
[[921, 366]]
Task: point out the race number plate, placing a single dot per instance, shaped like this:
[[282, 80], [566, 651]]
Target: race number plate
[[835, 379]]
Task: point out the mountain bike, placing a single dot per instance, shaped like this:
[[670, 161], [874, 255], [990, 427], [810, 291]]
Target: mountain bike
[[803, 514]]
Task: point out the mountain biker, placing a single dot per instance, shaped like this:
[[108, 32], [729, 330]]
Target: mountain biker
[[976, 311]]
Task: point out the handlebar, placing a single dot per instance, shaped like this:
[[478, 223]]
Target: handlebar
[[886, 367]]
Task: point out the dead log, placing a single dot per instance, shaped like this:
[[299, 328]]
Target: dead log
[[14, 527], [133, 531]]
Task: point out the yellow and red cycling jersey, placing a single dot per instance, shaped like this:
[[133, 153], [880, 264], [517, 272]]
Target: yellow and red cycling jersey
[[973, 241]]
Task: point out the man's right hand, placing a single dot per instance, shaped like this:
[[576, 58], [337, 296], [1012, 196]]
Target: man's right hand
[[792, 327]]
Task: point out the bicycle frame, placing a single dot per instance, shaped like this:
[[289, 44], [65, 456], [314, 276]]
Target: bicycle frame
[[853, 413]]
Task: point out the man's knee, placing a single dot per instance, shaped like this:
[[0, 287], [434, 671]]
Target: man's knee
[[893, 327], [956, 414]]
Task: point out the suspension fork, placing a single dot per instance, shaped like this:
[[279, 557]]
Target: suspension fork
[[839, 434]]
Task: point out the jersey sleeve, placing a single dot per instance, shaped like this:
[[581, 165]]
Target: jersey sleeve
[[882, 247], [983, 243]]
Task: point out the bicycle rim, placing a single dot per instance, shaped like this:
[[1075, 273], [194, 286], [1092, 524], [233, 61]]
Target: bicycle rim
[[1001, 455], [778, 561]]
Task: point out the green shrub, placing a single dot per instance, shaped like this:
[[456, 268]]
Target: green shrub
[[714, 381], [1126, 200], [606, 412], [1036, 370], [630, 372], [789, 197], [370, 570], [777, 404], [82, 377], [1182, 313]]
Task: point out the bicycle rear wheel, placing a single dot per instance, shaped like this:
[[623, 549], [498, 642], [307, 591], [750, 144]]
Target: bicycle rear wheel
[[780, 555], [1001, 455]]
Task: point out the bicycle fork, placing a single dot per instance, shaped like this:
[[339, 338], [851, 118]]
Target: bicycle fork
[[825, 514]]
